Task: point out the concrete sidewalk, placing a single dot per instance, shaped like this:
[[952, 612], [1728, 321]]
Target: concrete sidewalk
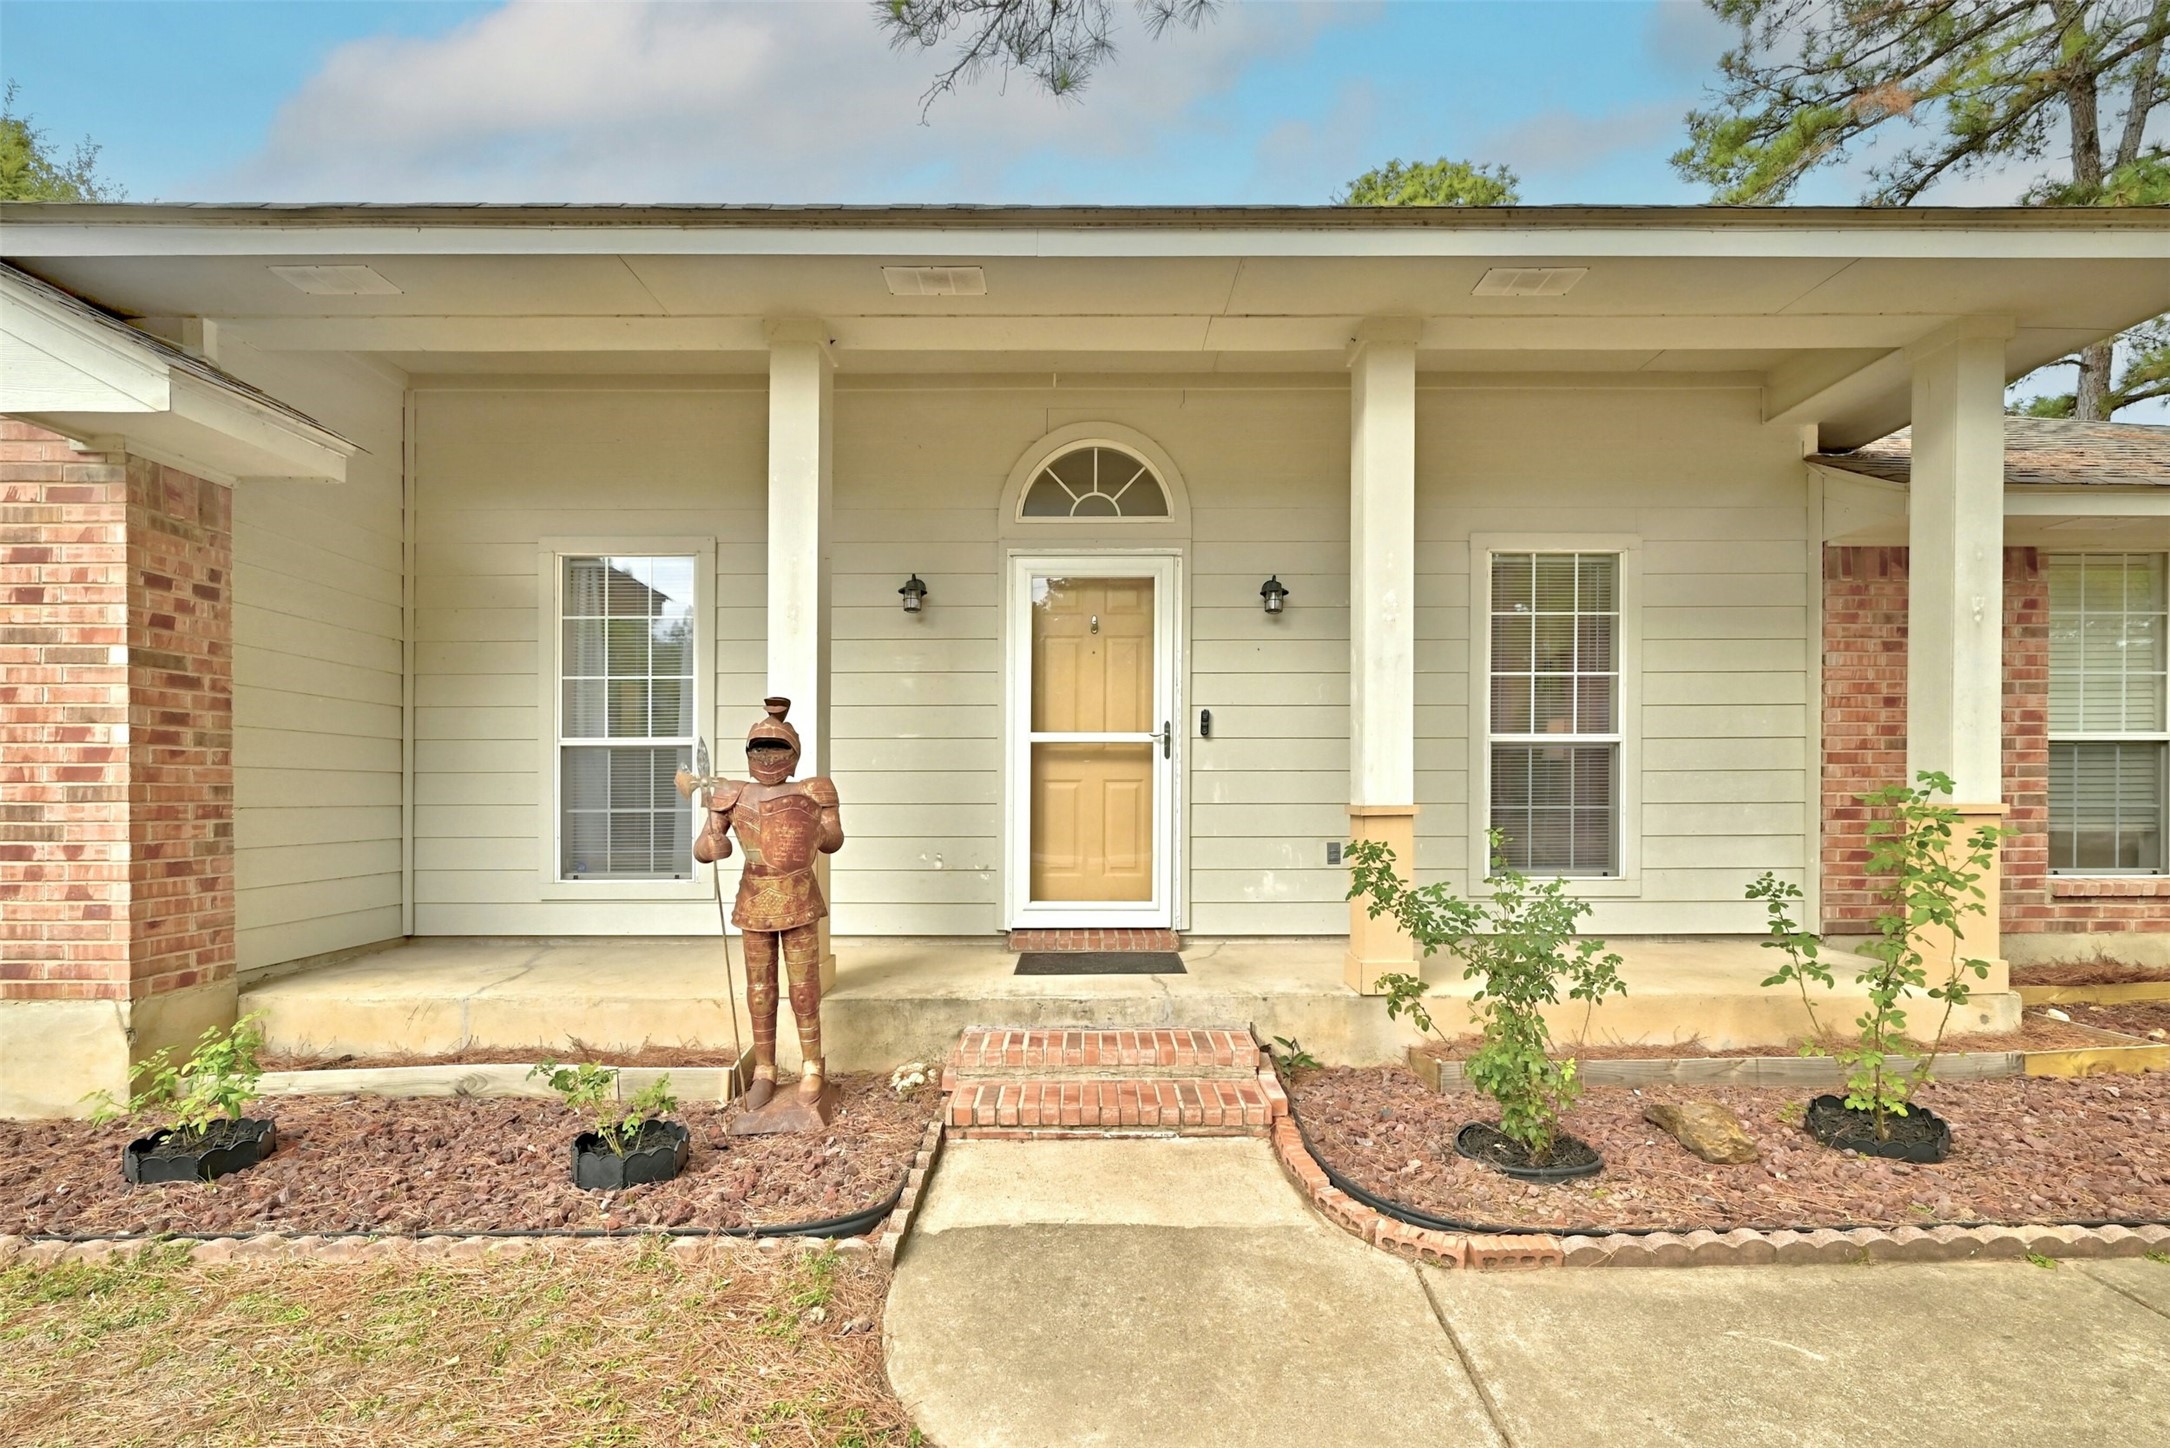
[[1175, 1292]]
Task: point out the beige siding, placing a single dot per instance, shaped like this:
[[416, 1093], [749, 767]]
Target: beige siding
[[1719, 503], [317, 708], [497, 472]]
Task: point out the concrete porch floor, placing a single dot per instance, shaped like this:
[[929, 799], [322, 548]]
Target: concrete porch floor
[[903, 999]]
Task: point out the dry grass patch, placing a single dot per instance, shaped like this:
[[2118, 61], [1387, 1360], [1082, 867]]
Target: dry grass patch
[[747, 1347]]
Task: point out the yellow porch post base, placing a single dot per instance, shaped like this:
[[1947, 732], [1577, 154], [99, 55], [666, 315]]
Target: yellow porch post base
[[1380, 947], [1981, 937]]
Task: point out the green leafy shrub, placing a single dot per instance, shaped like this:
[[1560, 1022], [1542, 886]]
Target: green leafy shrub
[[216, 1083], [1935, 884], [592, 1090], [1520, 946]]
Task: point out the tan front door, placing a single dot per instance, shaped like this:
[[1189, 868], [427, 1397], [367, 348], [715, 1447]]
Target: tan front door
[[1094, 776], [1094, 677]]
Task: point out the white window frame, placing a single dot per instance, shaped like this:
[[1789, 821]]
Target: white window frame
[[2055, 736], [550, 702], [1628, 844]]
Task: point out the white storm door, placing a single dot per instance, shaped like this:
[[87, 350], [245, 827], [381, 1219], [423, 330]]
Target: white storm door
[[1093, 708]]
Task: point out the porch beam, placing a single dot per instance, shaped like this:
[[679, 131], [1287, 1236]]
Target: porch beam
[[1382, 622]]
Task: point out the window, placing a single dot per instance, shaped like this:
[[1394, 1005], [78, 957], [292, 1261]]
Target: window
[[2106, 712], [1095, 482], [1555, 711], [626, 673]]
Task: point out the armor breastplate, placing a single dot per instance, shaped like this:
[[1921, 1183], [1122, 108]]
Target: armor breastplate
[[780, 834]]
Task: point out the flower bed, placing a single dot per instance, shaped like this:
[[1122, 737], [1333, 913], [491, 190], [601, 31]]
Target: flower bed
[[2037, 1033], [2088, 972], [2024, 1150], [2147, 1020], [434, 1164]]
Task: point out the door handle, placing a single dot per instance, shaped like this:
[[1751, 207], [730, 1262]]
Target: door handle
[[1166, 736]]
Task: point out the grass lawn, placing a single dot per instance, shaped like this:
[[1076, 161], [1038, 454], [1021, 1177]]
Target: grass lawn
[[565, 1348]]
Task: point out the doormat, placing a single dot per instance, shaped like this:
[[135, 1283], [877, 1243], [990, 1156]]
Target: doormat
[[1100, 962]]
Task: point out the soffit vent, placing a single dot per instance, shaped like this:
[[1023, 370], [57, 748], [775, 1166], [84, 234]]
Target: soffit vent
[[935, 281], [336, 281], [1529, 281]]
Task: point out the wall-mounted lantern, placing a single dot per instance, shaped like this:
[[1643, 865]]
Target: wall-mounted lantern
[[1273, 591], [914, 594]]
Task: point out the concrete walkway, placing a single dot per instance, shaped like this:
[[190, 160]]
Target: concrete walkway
[[1179, 1292]]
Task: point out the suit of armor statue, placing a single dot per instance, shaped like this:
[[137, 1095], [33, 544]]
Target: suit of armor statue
[[782, 825]]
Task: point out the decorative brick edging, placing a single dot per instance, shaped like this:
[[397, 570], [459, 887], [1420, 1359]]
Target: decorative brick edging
[[1742, 1247], [899, 1221], [274, 1248]]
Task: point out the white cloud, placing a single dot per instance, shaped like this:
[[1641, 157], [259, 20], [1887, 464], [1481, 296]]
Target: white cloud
[[645, 101], [1560, 143]]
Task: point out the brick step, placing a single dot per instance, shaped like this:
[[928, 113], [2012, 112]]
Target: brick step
[[1058, 1107], [1040, 1052]]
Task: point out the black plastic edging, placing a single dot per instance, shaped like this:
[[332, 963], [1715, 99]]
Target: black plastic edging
[[856, 1225], [1400, 1212]]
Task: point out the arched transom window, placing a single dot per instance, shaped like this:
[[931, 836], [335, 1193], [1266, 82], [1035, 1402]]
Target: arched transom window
[[1095, 481]]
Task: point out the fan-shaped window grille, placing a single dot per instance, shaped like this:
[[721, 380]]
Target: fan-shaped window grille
[[1095, 482]]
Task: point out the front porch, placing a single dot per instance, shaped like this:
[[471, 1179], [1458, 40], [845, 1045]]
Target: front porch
[[897, 1000]]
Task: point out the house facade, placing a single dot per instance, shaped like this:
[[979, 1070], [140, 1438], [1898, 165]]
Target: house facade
[[1119, 564]]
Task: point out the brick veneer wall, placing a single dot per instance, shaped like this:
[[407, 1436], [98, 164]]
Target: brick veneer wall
[[116, 725], [1864, 748]]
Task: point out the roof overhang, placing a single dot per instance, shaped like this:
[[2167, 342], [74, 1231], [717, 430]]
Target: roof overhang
[[68, 368], [1864, 511], [1816, 306]]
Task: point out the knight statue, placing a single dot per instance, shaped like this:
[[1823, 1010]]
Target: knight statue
[[781, 824]]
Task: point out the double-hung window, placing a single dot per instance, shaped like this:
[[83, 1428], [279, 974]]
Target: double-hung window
[[2107, 723], [626, 672], [1555, 705]]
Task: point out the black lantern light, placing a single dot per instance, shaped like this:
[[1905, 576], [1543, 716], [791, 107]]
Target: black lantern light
[[1272, 591], [914, 593]]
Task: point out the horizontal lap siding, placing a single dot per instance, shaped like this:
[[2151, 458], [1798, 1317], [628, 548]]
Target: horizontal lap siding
[[497, 472], [317, 708], [1719, 503]]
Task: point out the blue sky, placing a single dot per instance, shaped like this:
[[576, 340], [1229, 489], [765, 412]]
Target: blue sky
[[803, 100]]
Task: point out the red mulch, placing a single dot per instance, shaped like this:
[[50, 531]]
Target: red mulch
[[2024, 1149], [402, 1165], [646, 1055], [2037, 1032], [2147, 1020], [2087, 972]]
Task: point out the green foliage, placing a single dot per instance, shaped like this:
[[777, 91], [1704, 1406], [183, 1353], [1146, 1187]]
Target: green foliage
[[1432, 183], [593, 1091], [2038, 1260], [216, 1083], [1059, 43], [1519, 946], [1935, 90], [1934, 886], [1291, 1056], [29, 171]]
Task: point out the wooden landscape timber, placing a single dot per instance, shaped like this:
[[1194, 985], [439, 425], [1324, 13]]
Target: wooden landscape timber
[[2097, 995], [1799, 1072], [689, 1083]]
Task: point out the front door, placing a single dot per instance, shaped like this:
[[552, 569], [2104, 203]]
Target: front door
[[1092, 763]]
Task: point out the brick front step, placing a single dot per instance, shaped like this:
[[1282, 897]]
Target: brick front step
[[998, 1051], [1121, 939], [1114, 1105]]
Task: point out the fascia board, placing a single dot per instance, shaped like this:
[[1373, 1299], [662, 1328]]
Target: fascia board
[[30, 330]]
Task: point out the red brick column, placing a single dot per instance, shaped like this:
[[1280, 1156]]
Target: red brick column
[[116, 764], [1864, 748]]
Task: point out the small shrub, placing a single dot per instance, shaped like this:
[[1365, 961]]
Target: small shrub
[[1520, 947], [593, 1091], [1288, 1053], [1935, 884], [216, 1083]]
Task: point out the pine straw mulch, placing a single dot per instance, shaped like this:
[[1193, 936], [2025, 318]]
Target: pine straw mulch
[[2037, 1032], [771, 1347], [647, 1054], [2024, 1149], [401, 1165], [2147, 1020], [2088, 972]]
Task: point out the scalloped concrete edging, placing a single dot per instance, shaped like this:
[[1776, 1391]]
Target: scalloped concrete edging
[[890, 1235], [447, 1248], [1741, 1247]]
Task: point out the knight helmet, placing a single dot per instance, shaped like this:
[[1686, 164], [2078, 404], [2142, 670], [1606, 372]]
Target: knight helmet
[[772, 746]]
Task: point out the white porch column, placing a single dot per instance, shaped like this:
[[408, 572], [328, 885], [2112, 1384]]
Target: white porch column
[[1382, 623], [801, 421], [1955, 588]]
